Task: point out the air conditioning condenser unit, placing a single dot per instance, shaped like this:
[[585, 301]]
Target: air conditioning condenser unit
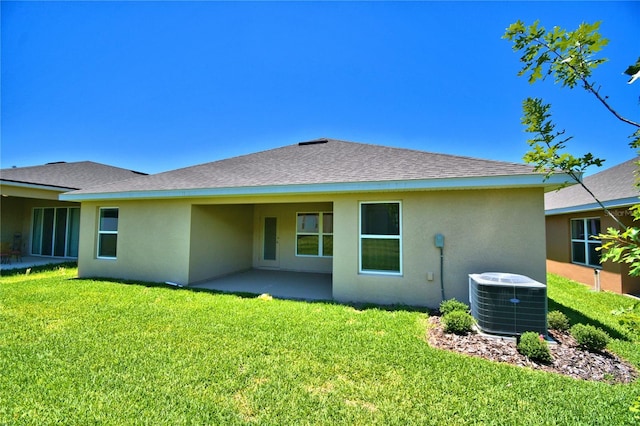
[[508, 304]]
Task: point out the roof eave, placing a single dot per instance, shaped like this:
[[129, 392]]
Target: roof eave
[[36, 186], [511, 181], [609, 204]]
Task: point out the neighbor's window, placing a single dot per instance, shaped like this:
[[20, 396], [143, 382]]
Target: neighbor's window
[[381, 237], [583, 244], [108, 233], [55, 231], [314, 234]]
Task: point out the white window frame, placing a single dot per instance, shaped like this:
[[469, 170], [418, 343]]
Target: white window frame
[[398, 237], [54, 233], [320, 233], [101, 232], [585, 241]]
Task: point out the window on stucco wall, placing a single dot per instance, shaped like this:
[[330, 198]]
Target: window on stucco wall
[[583, 242], [108, 233], [381, 237], [314, 234]]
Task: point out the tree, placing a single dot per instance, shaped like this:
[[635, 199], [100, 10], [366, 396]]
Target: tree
[[570, 57]]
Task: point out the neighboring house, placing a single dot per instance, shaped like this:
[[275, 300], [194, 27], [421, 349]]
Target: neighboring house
[[366, 214], [32, 215], [573, 217]]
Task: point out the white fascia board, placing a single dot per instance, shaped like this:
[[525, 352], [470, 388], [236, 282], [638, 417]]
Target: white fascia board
[[513, 181], [35, 186], [611, 204]]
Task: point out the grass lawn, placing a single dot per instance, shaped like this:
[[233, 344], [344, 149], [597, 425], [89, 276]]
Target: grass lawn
[[96, 352]]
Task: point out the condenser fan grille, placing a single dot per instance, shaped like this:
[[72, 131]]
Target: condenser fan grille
[[509, 306]]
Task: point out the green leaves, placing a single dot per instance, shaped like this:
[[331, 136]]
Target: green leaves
[[571, 57], [547, 143], [633, 71], [635, 140], [568, 55], [623, 246]]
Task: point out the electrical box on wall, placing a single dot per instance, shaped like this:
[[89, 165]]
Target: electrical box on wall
[[439, 240]]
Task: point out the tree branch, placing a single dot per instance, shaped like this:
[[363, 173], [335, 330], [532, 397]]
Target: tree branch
[[606, 210], [572, 173], [588, 86]]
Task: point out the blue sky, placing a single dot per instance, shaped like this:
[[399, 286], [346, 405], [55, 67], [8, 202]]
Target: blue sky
[[154, 86]]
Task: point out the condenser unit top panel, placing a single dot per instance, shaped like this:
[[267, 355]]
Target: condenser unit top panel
[[505, 279]]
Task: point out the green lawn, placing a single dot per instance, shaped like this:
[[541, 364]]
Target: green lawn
[[96, 352]]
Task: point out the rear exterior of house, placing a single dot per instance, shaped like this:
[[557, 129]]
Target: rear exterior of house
[[374, 236], [573, 220], [33, 219]]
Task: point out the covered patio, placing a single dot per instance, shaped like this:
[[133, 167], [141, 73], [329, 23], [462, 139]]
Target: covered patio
[[279, 284]]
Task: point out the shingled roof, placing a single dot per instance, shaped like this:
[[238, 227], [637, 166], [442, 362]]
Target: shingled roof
[[314, 166], [615, 187], [67, 176]]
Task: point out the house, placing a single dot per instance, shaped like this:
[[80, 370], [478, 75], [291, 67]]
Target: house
[[34, 219], [365, 214], [573, 217]]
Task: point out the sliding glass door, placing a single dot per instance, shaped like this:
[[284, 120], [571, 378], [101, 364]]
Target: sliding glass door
[[55, 231]]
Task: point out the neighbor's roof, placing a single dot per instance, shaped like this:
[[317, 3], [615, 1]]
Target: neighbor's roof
[[322, 165], [65, 176], [614, 187]]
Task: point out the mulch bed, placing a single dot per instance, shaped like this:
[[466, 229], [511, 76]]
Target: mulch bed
[[568, 358]]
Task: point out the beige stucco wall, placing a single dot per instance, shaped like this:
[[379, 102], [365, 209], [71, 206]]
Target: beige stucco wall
[[492, 230], [12, 218], [221, 240], [485, 230], [190, 240], [153, 241]]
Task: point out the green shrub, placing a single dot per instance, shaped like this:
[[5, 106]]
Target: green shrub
[[556, 320], [458, 322], [590, 337], [451, 305], [533, 346], [629, 317]]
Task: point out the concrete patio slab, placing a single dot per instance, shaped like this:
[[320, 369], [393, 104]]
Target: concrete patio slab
[[279, 284], [30, 261]]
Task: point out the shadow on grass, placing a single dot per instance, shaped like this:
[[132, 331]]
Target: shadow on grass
[[39, 268], [248, 295], [576, 317]]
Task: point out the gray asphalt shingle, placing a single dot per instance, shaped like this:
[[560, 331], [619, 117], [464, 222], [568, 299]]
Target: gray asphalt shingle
[[76, 175], [615, 183], [324, 161]]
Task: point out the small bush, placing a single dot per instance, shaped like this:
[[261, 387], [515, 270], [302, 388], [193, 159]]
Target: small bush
[[458, 322], [590, 337], [629, 317], [533, 346], [556, 320], [451, 305]]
